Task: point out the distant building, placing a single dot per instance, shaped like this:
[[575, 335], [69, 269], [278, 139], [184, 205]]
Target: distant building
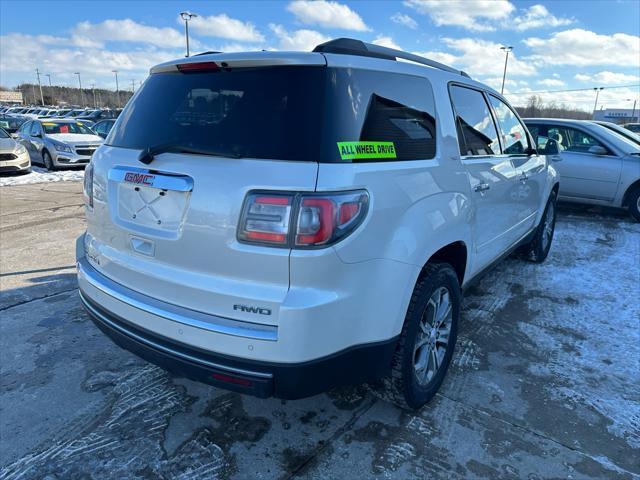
[[617, 115], [7, 96]]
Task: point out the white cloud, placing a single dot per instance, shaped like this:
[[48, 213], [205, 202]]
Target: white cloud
[[473, 15], [60, 57], [386, 42], [327, 14], [582, 47], [481, 58], [536, 16], [552, 82], [223, 26], [87, 34], [304, 40], [406, 20], [607, 78]]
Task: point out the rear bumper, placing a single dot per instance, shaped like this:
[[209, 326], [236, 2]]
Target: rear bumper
[[262, 379], [155, 331]]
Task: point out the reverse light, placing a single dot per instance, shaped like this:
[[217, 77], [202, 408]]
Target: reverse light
[[300, 220]]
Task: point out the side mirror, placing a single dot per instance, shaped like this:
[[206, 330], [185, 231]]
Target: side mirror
[[597, 150]]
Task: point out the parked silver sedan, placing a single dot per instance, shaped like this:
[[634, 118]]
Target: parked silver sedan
[[60, 142], [596, 165], [13, 156]]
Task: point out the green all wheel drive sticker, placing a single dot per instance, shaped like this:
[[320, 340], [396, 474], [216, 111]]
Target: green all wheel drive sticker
[[366, 150]]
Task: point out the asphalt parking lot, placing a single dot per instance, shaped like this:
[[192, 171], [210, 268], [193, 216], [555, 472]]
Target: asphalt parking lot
[[545, 381]]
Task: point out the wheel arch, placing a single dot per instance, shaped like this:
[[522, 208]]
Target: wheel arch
[[630, 188], [455, 254]]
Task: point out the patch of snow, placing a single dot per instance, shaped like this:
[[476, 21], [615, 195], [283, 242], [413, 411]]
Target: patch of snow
[[41, 175]]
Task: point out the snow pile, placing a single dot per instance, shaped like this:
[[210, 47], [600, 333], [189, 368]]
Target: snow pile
[[41, 175]]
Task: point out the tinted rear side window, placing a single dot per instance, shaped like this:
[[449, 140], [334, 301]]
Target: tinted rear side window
[[284, 113], [477, 133]]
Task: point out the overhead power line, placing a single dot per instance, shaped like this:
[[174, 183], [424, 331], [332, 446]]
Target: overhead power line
[[573, 90]]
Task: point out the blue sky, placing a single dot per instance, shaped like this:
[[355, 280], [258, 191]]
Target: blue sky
[[558, 45]]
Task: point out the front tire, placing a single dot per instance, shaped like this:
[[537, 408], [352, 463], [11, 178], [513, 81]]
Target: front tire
[[427, 341], [538, 248], [48, 162], [634, 204]]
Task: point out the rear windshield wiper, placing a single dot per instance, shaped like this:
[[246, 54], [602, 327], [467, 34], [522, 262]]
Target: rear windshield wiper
[[148, 154]]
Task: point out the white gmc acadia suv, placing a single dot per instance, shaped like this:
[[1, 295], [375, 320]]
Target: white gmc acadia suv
[[281, 223]]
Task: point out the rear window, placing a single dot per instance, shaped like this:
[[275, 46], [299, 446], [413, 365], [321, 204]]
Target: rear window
[[303, 113]]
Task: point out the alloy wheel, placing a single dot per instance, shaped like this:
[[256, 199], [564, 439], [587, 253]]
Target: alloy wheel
[[547, 228], [432, 339]]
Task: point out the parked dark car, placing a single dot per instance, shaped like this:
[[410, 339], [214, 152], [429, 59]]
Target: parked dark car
[[634, 127], [11, 124], [103, 127], [97, 115]]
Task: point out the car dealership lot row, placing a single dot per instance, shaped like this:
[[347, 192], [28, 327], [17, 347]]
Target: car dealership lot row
[[544, 381]]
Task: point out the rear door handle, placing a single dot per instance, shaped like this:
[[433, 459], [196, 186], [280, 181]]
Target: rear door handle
[[482, 187]]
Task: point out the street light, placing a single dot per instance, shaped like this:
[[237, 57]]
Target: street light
[[595, 105], [93, 87], [633, 112], [506, 59], [117, 88], [40, 86], [81, 93], [186, 16], [48, 75]]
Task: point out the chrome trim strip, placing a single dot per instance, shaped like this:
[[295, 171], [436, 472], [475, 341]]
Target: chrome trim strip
[[164, 349], [192, 318], [161, 180]]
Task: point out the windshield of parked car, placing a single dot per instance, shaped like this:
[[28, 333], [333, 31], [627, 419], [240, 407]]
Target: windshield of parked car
[[66, 127], [4, 134], [303, 113]]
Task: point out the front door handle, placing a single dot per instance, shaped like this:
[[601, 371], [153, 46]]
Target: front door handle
[[555, 158], [482, 187]]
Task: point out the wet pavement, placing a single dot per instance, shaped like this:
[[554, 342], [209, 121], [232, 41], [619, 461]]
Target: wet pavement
[[545, 381]]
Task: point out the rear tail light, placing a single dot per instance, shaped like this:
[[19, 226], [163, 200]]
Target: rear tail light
[[87, 186], [297, 220]]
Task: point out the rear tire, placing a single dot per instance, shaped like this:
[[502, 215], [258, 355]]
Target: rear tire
[[537, 249], [634, 203], [48, 162], [427, 341]]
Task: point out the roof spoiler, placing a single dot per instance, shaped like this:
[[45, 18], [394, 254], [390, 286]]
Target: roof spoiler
[[350, 46]]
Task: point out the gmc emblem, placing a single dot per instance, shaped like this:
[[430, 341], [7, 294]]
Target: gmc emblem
[[139, 178], [248, 309]]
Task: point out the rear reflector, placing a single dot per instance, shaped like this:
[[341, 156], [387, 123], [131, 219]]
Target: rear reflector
[[229, 379], [198, 67]]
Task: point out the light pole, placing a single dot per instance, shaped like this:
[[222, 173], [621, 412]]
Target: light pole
[[506, 59], [40, 86], [81, 93], [633, 111], [117, 87], [595, 105], [186, 16], [48, 75], [133, 86], [93, 87]]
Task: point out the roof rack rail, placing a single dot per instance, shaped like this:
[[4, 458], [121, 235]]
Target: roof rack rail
[[350, 46]]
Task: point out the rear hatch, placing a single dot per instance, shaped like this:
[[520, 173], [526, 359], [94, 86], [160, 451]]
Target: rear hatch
[[171, 179]]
